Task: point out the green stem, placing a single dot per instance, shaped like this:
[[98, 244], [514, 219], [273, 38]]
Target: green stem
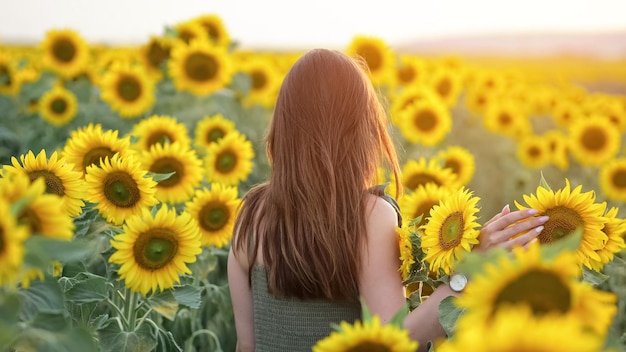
[[131, 309], [143, 318], [189, 343]]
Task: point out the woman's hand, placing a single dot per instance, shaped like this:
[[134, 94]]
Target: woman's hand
[[499, 231]]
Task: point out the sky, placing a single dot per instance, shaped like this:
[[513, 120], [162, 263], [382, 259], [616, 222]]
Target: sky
[[283, 24]]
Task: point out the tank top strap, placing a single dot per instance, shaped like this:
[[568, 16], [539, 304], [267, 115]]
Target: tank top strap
[[379, 190]]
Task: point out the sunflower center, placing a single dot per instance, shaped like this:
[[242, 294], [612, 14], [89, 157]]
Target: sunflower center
[[619, 178], [215, 135], [369, 346], [406, 74], [201, 67], [128, 88], [157, 54], [121, 189], [64, 50], [159, 137], [165, 166], [421, 179], [534, 151], [372, 56], [226, 161], [95, 155], [258, 80], [212, 31], [186, 35], [214, 216], [563, 221], [58, 106], [425, 120], [542, 290], [155, 248], [444, 87], [54, 185], [424, 209], [505, 119], [29, 218], [451, 231], [5, 76], [453, 165], [594, 138]]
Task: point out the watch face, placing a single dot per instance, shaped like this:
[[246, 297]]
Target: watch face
[[458, 282]]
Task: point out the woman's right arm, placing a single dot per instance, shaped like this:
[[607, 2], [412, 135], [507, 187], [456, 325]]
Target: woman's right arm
[[241, 297]]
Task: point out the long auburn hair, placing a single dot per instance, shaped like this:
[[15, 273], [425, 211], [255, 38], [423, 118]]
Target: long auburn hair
[[327, 138]]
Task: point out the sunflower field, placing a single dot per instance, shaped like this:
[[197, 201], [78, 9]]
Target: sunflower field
[[122, 169]]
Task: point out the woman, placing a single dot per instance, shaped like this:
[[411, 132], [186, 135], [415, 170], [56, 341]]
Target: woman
[[314, 239]]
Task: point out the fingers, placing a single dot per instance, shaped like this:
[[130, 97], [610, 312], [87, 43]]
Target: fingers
[[524, 240], [519, 227], [505, 221]]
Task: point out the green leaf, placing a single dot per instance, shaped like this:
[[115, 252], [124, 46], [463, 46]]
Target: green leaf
[[50, 321], [593, 277], [10, 306], [41, 250], [190, 296], [366, 314], [449, 313], [93, 289], [113, 339], [543, 183], [43, 295], [398, 318], [569, 243], [160, 177], [166, 342], [164, 303], [473, 263]]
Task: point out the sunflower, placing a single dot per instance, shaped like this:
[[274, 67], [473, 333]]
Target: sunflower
[[58, 106], [507, 118], [409, 95], [566, 112], [533, 151], [60, 178], [41, 214], [594, 140], [612, 179], [159, 129], [200, 68], [153, 251], [426, 122], [9, 82], [450, 230], [211, 129], [180, 159], [569, 210], [410, 71], [190, 31], [460, 161], [229, 160], [378, 57], [421, 201], [478, 100], [548, 333], [447, 84], [557, 148], [406, 252], [546, 287], [65, 52], [120, 188], [154, 54], [12, 237], [614, 228], [128, 89], [90, 144], [416, 173], [367, 336], [215, 29], [215, 212], [265, 81]]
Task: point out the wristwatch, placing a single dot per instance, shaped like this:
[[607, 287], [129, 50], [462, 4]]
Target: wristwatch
[[458, 282]]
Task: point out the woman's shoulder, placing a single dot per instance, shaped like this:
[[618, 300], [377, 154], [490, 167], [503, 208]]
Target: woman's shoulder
[[383, 205]]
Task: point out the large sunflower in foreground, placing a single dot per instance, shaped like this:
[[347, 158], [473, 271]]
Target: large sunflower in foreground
[[451, 230], [120, 188], [416, 173], [90, 144], [612, 179], [615, 229], [41, 213], [421, 201], [159, 129], [367, 336], [153, 251], [460, 160], [200, 68], [426, 122], [65, 52], [533, 151], [12, 237], [128, 89], [378, 56], [215, 209], [515, 329], [568, 210], [546, 287], [60, 178], [594, 140], [58, 106], [183, 162], [229, 160], [211, 129]]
